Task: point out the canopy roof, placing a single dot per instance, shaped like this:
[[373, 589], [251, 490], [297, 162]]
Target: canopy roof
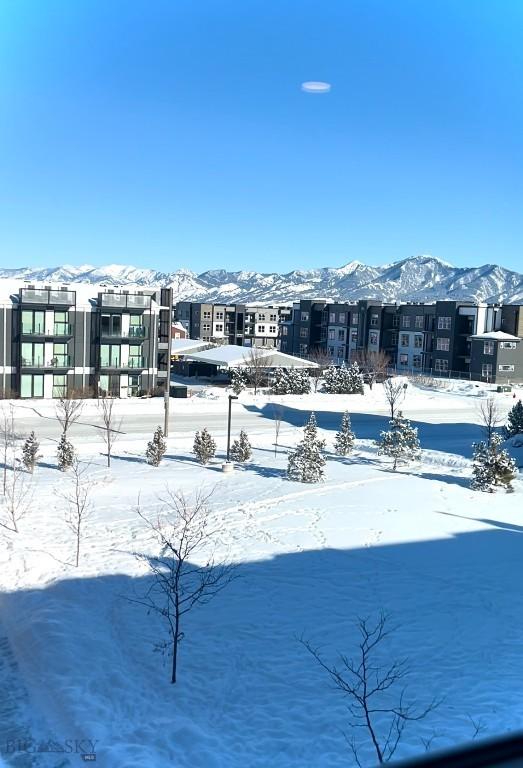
[[495, 336], [232, 356], [183, 346]]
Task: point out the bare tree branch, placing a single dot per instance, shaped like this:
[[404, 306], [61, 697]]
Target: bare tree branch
[[111, 424]]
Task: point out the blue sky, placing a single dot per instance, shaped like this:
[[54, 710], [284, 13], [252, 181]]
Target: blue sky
[[170, 133]]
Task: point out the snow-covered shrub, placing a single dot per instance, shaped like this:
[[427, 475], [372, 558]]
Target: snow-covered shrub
[[400, 442], [344, 440], [30, 452], [292, 381], [514, 424], [204, 447], [343, 380], [492, 466], [306, 463], [65, 453], [156, 448], [241, 450], [238, 380]]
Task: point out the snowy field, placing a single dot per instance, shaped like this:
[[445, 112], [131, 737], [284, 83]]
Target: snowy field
[[78, 660]]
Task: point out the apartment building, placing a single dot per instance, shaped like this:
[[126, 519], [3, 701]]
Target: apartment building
[[59, 339], [438, 338], [237, 324]]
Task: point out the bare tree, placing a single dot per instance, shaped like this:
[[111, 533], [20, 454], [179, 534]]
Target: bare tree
[[18, 495], [258, 363], [68, 410], [111, 424], [79, 506], [277, 410], [370, 688], [321, 357], [373, 365], [490, 416], [7, 425], [179, 584], [394, 391]]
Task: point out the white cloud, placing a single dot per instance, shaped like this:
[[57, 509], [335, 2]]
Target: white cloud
[[315, 86]]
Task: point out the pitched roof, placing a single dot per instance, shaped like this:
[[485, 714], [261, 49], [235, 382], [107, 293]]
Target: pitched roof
[[232, 356], [496, 336]]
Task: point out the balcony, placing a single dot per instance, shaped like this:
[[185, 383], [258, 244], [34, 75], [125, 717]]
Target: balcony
[[138, 332], [59, 329], [47, 296], [58, 361], [125, 300], [132, 362]]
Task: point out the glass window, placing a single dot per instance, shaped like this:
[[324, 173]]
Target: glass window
[[304, 317], [373, 337], [404, 339], [416, 361], [418, 322], [406, 321], [444, 323], [33, 321], [443, 344], [342, 317], [404, 359], [486, 370], [332, 317], [59, 385], [395, 321], [488, 347], [110, 355], [32, 354], [31, 385], [355, 318], [441, 365], [418, 341], [374, 319]]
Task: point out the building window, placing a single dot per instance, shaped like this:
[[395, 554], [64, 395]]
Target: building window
[[261, 329], [109, 355], [373, 337], [284, 330], [304, 317], [60, 357], [135, 356], [416, 361], [395, 321], [404, 339], [355, 318], [394, 339], [332, 334], [341, 334], [304, 333], [33, 322], [404, 359], [111, 325], [418, 321], [133, 388], [206, 327], [354, 337], [218, 315], [59, 385], [273, 318], [486, 370], [442, 344], [406, 321], [374, 319], [31, 385], [303, 349], [109, 384], [206, 315], [441, 365], [218, 327], [32, 356], [273, 329], [331, 351], [506, 367], [61, 323], [508, 345], [342, 317], [418, 341], [488, 347], [332, 317], [444, 323]]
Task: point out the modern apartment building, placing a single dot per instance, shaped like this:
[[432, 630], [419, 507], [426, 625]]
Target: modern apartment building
[[59, 339], [441, 338], [231, 323]]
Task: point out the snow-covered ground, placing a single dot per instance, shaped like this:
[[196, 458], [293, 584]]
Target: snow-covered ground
[[78, 660]]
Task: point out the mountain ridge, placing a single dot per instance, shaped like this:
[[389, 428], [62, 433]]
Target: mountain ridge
[[417, 278]]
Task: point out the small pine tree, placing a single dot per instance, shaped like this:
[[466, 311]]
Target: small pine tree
[[279, 382], [241, 450], [30, 452], [515, 420], [238, 380], [344, 440], [400, 442], [204, 447], [330, 380], [306, 463], [156, 448], [356, 379], [302, 381], [492, 466], [65, 453]]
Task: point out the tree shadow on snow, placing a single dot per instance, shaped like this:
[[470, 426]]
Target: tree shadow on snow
[[494, 523]]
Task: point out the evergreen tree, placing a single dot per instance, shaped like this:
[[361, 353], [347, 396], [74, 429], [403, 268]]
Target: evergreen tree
[[279, 382], [306, 462], [241, 450], [330, 380], [156, 448], [30, 452], [204, 447], [238, 380], [356, 379], [303, 381], [344, 440], [65, 453], [515, 420], [400, 442], [293, 381], [492, 466]]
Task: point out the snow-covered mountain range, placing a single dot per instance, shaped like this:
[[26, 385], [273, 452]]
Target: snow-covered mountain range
[[421, 278]]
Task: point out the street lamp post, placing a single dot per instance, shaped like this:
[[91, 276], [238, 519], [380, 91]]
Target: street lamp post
[[231, 398]]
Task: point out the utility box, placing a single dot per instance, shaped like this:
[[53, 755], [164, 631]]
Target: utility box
[[504, 388], [178, 390]]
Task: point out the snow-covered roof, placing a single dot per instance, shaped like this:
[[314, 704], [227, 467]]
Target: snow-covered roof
[[232, 356], [496, 336], [183, 346]]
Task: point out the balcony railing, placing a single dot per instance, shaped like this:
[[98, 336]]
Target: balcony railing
[[125, 300], [137, 362], [58, 361], [134, 332], [59, 329], [47, 296], [132, 362]]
